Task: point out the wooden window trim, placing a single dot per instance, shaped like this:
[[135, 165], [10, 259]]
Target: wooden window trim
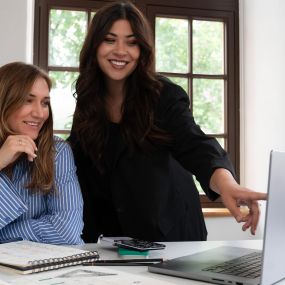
[[216, 213]]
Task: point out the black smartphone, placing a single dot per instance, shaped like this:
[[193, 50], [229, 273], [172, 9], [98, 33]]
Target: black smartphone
[[140, 245]]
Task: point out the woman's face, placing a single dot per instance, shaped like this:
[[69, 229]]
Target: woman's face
[[119, 53], [30, 117]]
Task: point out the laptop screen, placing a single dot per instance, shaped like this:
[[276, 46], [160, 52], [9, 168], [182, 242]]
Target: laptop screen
[[274, 232]]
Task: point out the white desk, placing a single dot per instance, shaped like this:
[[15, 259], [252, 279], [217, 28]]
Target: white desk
[[173, 249]]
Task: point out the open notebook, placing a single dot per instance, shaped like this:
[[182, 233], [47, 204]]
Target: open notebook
[[224, 265], [31, 257]]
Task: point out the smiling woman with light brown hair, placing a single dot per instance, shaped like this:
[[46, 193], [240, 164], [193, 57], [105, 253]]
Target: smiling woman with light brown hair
[[40, 196], [16, 82]]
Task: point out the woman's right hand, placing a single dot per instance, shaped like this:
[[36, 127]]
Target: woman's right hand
[[14, 146]]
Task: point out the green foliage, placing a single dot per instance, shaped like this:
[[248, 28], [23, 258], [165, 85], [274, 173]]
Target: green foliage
[[63, 80], [208, 104], [67, 30], [208, 47], [171, 42]]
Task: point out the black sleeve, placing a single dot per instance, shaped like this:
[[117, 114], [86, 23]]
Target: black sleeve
[[198, 153]]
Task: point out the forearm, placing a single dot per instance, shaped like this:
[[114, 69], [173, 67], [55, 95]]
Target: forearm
[[222, 180], [62, 228], [65, 228], [11, 205]]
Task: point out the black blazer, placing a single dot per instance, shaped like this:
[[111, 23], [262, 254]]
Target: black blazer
[[153, 195]]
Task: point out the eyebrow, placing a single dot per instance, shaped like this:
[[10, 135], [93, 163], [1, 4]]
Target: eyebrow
[[128, 36], [32, 95]]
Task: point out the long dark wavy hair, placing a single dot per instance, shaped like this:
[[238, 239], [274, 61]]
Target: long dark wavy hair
[[142, 87], [16, 81]]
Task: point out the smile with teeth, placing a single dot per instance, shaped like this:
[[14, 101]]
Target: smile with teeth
[[118, 63], [32, 124]]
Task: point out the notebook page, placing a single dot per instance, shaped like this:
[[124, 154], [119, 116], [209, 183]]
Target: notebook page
[[21, 252]]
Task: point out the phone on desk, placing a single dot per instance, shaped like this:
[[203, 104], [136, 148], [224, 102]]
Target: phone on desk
[[140, 245], [135, 244]]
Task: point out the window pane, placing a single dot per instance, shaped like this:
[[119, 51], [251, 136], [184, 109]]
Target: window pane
[[183, 82], [208, 47], [62, 101], [66, 34], [63, 136], [221, 141], [208, 104], [93, 14], [198, 185], [171, 45]]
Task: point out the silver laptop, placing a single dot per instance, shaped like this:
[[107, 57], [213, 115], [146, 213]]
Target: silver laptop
[[242, 266]]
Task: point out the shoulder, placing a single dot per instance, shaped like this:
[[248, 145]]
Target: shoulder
[[170, 86], [62, 147], [171, 94]]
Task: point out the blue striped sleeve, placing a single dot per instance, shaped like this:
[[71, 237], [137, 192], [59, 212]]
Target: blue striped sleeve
[[11, 204], [61, 221]]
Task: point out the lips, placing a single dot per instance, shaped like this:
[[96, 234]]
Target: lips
[[118, 63], [32, 124]]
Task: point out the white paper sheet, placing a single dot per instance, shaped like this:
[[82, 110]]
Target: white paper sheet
[[86, 276]]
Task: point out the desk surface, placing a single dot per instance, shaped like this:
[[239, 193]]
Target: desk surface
[[173, 250]]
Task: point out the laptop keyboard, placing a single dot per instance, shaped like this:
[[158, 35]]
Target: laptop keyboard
[[248, 266]]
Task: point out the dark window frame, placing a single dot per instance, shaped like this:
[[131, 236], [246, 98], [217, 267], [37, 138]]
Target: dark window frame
[[225, 9]]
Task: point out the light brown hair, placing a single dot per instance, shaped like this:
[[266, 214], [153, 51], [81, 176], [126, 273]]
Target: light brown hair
[[16, 81]]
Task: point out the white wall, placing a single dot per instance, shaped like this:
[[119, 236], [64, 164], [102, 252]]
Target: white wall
[[262, 49], [263, 89], [16, 30]]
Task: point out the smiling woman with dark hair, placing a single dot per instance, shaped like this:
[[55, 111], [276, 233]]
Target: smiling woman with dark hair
[[40, 198], [136, 143]]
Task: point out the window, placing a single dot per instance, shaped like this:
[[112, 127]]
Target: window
[[196, 46]]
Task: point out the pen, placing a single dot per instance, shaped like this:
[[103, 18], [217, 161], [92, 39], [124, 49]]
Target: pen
[[122, 262]]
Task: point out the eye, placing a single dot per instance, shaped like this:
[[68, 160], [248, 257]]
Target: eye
[[132, 42], [28, 101], [109, 40], [46, 103]]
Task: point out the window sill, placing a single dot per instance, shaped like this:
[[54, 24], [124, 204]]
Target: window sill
[[222, 212], [216, 212]]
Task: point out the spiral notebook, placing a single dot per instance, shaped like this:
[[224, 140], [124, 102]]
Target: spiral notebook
[[31, 257]]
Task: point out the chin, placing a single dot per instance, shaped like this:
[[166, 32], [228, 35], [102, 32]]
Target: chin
[[33, 136]]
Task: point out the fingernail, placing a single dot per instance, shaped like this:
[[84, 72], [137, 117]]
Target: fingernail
[[239, 219]]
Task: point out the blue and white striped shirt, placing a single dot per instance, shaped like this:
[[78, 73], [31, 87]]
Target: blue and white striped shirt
[[54, 218]]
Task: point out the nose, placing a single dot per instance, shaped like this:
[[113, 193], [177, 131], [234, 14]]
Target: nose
[[38, 110], [120, 48]]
